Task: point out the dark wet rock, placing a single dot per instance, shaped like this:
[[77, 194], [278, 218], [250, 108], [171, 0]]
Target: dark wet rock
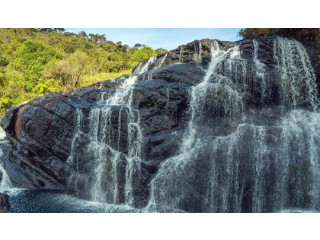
[[4, 202], [41, 131]]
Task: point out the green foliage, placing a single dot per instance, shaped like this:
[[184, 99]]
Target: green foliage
[[49, 85], [143, 53], [251, 33], [30, 59], [39, 61], [68, 72], [303, 34]]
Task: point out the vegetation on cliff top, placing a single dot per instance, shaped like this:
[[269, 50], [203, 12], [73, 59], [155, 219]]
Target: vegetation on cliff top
[[303, 34], [34, 62]]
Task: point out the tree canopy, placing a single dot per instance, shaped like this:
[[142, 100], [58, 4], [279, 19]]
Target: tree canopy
[[35, 61]]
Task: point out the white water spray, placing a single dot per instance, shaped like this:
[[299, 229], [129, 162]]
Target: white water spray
[[262, 167], [115, 150], [5, 183], [297, 75]]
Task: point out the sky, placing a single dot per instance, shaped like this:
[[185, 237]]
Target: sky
[[168, 38]]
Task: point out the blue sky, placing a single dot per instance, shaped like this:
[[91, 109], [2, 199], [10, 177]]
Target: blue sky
[[168, 38]]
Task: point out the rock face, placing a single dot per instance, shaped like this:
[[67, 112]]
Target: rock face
[[107, 142], [42, 131], [4, 202]]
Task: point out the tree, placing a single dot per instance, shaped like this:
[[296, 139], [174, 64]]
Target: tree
[[49, 85], [46, 30], [137, 45], [38, 61], [49, 30], [97, 38], [143, 54], [69, 71], [83, 34], [31, 58], [60, 30], [160, 50], [251, 33]]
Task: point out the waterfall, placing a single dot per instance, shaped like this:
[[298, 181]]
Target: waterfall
[[5, 183], [253, 164], [111, 136], [198, 53], [260, 71], [250, 138], [2, 134], [215, 93], [223, 98], [181, 55], [162, 60], [297, 76], [141, 68]]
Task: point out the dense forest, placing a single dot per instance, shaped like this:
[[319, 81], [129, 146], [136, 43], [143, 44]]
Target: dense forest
[[38, 61]]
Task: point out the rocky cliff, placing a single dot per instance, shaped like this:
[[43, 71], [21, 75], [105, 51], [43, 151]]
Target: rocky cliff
[[107, 141]]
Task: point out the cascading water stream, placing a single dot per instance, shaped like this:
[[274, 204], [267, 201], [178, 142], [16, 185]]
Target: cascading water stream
[[113, 140], [162, 60], [212, 85], [5, 183], [198, 53], [297, 76], [259, 165], [260, 71]]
